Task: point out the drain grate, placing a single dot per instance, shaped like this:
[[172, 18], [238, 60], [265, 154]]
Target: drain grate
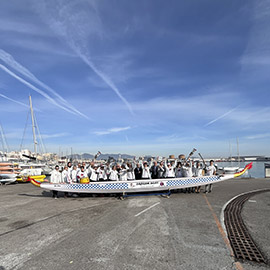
[[241, 241]]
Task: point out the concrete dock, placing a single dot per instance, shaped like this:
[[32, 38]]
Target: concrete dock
[[146, 232]]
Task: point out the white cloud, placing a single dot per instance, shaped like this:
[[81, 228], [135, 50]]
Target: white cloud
[[258, 136], [259, 60], [111, 130], [21, 27], [56, 135]]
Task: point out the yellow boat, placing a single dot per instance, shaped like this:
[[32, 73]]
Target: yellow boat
[[24, 179]]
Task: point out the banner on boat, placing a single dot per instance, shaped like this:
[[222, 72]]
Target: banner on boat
[[148, 184]]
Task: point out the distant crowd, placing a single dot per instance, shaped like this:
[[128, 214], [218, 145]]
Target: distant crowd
[[74, 173]]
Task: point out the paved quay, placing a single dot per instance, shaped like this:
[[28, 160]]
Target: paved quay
[[148, 232]]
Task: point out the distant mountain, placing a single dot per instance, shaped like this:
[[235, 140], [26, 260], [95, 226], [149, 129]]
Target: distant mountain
[[102, 156], [115, 156], [83, 156]]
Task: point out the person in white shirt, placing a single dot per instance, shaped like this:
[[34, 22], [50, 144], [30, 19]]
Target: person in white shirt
[[56, 178], [123, 173], [66, 176], [113, 174], [81, 174], [130, 171], [170, 173], [187, 172], [78, 168], [210, 170], [74, 174], [69, 165], [198, 172], [94, 173], [187, 169], [146, 171], [102, 176]]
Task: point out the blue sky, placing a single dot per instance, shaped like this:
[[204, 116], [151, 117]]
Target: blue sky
[[137, 77]]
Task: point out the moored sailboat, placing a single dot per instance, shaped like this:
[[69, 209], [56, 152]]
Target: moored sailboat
[[33, 170]]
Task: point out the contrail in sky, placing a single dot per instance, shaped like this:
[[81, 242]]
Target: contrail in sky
[[75, 28], [18, 102], [220, 117], [35, 89], [13, 100], [9, 60], [106, 79]]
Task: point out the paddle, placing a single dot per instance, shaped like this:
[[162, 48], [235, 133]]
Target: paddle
[[202, 159], [190, 154]]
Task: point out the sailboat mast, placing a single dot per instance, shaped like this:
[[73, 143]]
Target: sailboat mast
[[230, 146], [3, 141], [238, 152], [33, 125]]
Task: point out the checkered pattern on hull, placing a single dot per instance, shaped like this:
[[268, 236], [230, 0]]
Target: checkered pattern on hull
[[109, 186], [190, 181]]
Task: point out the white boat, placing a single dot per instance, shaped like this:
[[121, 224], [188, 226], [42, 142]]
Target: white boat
[[229, 170], [8, 172], [8, 178], [135, 186]]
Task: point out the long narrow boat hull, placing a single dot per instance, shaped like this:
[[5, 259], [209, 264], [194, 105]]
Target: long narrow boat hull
[[135, 186]]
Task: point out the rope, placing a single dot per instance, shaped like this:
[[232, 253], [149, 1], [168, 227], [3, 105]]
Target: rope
[[25, 127], [43, 149]]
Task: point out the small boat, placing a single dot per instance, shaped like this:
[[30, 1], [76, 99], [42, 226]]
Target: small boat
[[8, 172], [26, 178], [229, 170], [35, 171], [135, 186], [8, 178]]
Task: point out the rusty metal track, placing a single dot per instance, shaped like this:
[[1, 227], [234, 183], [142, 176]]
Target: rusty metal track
[[241, 241]]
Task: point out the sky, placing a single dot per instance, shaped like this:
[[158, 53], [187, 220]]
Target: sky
[[137, 77]]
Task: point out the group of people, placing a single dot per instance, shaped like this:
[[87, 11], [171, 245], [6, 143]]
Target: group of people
[[133, 171]]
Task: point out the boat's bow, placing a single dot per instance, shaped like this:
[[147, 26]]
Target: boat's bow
[[248, 167], [237, 174]]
